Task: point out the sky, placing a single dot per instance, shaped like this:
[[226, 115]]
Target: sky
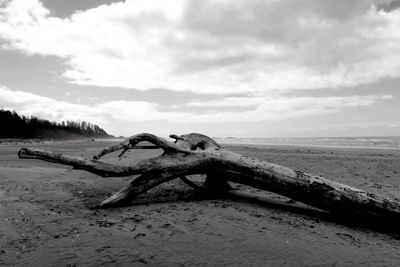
[[243, 68]]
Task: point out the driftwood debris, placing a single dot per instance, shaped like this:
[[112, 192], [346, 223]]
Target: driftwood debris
[[198, 154]]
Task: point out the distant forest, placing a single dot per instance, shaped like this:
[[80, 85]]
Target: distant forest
[[16, 126]]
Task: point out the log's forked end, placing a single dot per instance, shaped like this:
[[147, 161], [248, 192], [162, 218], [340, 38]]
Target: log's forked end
[[24, 153], [195, 141], [176, 137]]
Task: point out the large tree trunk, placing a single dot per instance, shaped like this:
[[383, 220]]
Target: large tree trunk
[[199, 154]]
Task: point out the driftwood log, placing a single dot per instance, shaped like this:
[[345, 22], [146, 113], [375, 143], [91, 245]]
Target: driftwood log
[[198, 154]]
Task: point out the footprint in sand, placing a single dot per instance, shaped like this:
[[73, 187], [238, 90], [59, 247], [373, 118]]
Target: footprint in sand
[[140, 235], [165, 225], [348, 237], [105, 223]]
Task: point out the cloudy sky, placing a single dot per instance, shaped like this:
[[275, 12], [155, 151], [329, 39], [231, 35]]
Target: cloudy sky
[[244, 68]]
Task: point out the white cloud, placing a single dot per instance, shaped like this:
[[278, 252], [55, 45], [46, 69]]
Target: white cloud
[[30, 104], [122, 112], [280, 107], [217, 46]]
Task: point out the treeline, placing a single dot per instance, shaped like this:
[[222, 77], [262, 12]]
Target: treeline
[[16, 126]]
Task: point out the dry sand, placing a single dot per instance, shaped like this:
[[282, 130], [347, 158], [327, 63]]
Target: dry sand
[[45, 220]]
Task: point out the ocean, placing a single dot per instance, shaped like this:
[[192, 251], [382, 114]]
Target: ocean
[[386, 142]]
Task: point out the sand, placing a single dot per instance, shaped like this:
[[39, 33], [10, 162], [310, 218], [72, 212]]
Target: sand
[[45, 219]]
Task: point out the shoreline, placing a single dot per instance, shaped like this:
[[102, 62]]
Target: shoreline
[[344, 147], [44, 140]]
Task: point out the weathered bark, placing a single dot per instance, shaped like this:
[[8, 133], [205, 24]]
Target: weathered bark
[[199, 154]]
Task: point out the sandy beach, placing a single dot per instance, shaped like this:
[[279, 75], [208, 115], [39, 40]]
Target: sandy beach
[[46, 220]]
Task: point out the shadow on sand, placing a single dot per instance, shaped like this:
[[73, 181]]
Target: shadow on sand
[[176, 195]]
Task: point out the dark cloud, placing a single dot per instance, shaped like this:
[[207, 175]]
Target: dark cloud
[[390, 5], [272, 21], [65, 8]]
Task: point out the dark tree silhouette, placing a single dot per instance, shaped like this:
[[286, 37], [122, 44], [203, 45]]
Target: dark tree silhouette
[[16, 126]]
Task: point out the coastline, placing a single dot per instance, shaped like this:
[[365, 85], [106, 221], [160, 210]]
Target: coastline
[[364, 142], [344, 147]]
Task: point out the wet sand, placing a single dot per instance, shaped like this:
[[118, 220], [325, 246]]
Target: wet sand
[[45, 219]]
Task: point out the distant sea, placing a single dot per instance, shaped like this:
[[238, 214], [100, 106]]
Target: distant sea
[[389, 142]]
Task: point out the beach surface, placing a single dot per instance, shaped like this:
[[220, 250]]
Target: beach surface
[[46, 220]]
